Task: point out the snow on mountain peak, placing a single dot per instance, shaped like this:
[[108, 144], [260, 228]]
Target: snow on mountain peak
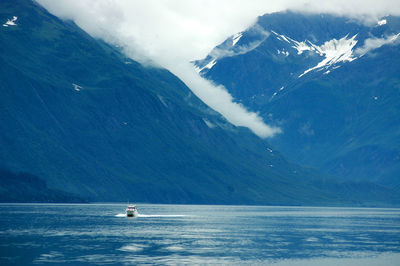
[[11, 22], [334, 51]]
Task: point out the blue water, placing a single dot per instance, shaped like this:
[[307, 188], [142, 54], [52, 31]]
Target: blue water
[[187, 234]]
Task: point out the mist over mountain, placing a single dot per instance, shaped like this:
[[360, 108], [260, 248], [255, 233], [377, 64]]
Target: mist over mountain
[[79, 114], [331, 83]]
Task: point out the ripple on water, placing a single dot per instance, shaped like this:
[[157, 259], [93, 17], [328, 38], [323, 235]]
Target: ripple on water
[[172, 234], [174, 248], [51, 257], [133, 248]]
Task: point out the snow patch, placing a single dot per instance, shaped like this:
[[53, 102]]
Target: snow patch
[[286, 53], [236, 38], [304, 46], [299, 46], [232, 49], [276, 93], [334, 51], [11, 22], [281, 37], [208, 123], [162, 100], [77, 87], [382, 22], [208, 66]]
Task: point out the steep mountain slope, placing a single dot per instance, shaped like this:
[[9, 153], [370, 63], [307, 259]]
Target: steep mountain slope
[[77, 113], [23, 187], [331, 83]]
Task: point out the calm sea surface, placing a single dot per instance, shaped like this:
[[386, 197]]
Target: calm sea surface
[[76, 234]]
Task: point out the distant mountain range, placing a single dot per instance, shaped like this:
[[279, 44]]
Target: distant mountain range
[[87, 120], [332, 84]]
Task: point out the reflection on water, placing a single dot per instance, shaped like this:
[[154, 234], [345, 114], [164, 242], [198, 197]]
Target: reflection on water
[[171, 234]]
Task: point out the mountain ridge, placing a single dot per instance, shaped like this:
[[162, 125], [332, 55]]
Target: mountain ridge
[[79, 114], [298, 78]]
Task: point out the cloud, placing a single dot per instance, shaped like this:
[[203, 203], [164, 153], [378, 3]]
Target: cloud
[[172, 33], [375, 43], [367, 11], [219, 53], [169, 34], [220, 100], [224, 51], [190, 29]]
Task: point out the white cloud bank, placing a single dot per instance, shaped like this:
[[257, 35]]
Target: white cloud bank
[[171, 33], [220, 100], [374, 43]]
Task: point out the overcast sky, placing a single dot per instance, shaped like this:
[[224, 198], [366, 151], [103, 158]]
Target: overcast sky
[[171, 33]]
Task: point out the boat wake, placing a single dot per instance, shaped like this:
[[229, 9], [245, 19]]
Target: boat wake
[[160, 215]]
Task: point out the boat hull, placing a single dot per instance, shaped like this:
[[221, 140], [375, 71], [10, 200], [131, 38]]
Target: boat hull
[[132, 213]]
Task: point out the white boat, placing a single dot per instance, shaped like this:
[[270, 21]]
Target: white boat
[[131, 211]]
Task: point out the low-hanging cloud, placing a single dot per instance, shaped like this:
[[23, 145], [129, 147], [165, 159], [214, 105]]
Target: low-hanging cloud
[[172, 33], [374, 43], [220, 100]]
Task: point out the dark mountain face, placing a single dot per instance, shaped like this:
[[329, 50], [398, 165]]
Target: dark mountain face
[[24, 187], [79, 114], [331, 83]]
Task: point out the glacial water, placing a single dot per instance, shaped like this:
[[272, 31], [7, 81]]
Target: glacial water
[[76, 234]]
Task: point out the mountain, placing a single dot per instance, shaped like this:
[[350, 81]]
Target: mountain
[[87, 120], [331, 84], [24, 187]]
